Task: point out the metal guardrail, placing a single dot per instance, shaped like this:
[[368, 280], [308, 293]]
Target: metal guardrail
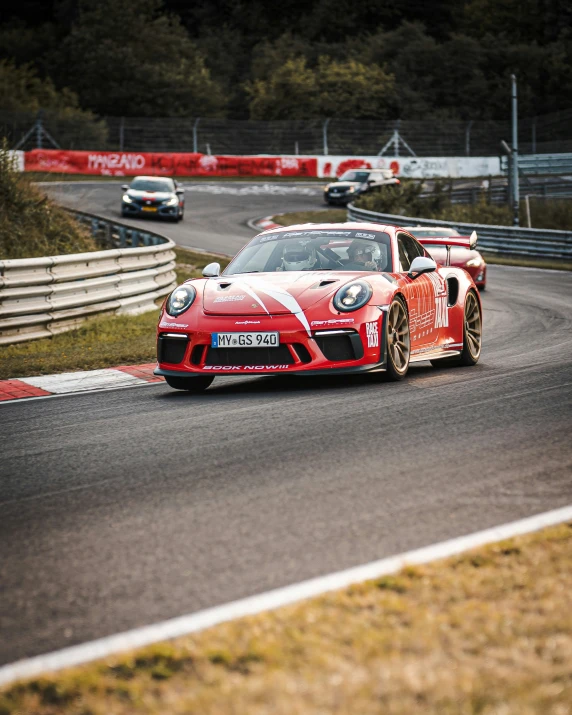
[[541, 163], [499, 240], [498, 195], [40, 297]]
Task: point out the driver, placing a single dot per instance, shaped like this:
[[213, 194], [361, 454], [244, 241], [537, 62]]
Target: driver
[[363, 256], [298, 257]]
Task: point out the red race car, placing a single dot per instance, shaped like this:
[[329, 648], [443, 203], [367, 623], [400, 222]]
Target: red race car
[[468, 258], [319, 299]]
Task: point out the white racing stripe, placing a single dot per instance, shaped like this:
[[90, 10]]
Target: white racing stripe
[[252, 605]]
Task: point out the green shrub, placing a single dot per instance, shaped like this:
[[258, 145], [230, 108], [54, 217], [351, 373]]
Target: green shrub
[[30, 224]]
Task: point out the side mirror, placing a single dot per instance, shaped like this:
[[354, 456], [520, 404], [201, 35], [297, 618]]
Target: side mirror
[[420, 265], [179, 191], [371, 181], [212, 270], [125, 187], [473, 239]]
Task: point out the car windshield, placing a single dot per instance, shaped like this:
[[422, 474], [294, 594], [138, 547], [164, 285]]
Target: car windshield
[[315, 250], [433, 232], [152, 185], [361, 176]]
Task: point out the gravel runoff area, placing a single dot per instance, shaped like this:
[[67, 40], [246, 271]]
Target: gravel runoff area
[[489, 631]]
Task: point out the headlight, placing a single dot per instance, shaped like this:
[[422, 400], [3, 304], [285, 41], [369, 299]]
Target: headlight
[[180, 300], [127, 199], [351, 190], [474, 262], [172, 201], [352, 296]]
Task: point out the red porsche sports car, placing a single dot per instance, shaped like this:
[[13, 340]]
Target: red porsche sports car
[[319, 299], [468, 258]]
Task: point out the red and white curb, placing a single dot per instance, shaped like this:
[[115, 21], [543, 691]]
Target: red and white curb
[[251, 605], [68, 382], [263, 224]]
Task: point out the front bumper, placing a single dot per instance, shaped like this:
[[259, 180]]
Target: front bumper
[[478, 274], [340, 199], [139, 211], [328, 350]]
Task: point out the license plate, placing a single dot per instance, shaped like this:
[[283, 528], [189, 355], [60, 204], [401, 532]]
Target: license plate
[[245, 340], [149, 208]]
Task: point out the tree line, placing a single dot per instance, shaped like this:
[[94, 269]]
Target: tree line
[[373, 59]]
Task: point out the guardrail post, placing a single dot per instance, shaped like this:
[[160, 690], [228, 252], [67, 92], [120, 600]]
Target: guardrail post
[[134, 238], [94, 227], [122, 236]]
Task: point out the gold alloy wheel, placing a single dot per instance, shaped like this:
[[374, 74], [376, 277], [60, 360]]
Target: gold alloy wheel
[[398, 342], [473, 326]]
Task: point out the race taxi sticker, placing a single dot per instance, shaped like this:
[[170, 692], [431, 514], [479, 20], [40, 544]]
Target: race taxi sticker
[[441, 307], [372, 334]]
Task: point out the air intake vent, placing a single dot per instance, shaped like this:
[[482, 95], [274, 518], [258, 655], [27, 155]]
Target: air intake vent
[[197, 354], [250, 356], [339, 347], [171, 350], [302, 352]]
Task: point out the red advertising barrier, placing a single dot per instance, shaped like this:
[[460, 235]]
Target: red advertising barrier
[[109, 163]]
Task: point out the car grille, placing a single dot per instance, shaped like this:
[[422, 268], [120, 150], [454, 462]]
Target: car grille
[[249, 356]]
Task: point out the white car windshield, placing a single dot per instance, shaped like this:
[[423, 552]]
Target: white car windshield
[[164, 185], [361, 176], [315, 250]]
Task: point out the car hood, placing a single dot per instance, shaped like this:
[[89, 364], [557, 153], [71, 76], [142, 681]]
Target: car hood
[[151, 195], [459, 256], [271, 293]]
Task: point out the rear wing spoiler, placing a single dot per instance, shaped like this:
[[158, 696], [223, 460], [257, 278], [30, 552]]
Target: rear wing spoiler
[[450, 241]]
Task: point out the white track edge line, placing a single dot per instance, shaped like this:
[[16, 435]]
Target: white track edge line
[[252, 605]]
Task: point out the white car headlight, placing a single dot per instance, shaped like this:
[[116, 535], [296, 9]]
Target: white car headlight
[[173, 201], [474, 262], [127, 199], [180, 300], [351, 190], [352, 296]]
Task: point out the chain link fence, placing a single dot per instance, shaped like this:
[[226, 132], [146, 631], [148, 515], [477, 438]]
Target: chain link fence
[[549, 133]]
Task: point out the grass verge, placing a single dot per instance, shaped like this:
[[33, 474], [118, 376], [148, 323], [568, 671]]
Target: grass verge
[[323, 216], [486, 632], [101, 342], [340, 215]]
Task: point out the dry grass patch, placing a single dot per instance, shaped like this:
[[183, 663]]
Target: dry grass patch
[[101, 342], [488, 632]]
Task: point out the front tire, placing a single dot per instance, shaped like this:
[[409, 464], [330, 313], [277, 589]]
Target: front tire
[[190, 384], [397, 340], [472, 335]]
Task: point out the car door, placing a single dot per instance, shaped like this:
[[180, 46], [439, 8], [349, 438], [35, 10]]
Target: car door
[[428, 312]]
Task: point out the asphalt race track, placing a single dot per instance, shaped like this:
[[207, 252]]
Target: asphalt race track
[[216, 214], [127, 507]]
